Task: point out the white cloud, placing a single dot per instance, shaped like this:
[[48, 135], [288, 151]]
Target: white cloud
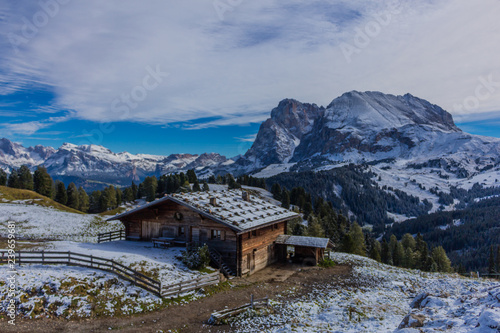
[[94, 54]]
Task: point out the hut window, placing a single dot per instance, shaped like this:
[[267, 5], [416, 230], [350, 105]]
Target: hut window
[[215, 234], [254, 233], [182, 231], [275, 226]]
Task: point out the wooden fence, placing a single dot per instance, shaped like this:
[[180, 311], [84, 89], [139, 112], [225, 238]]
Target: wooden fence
[[219, 316], [89, 261], [185, 286], [110, 236]]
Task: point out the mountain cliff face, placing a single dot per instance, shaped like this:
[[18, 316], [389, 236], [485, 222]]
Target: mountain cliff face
[[279, 135], [13, 155]]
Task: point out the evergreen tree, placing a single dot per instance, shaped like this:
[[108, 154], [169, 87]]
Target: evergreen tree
[[140, 191], [95, 202], [491, 261], [393, 242], [205, 188], [149, 186], [314, 228], [134, 191], [358, 239], [276, 191], [408, 260], [3, 177], [308, 209], [399, 254], [61, 195], [191, 175], [408, 242], [119, 196], [285, 201], [196, 186], [440, 258], [386, 253], [212, 180], [348, 245], [42, 182], [13, 181], [375, 251], [72, 192], [83, 200], [25, 178]]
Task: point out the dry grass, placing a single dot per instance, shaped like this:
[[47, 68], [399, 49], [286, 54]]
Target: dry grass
[[11, 194]]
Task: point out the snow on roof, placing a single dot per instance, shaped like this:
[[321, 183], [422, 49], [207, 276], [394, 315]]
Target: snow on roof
[[230, 208], [303, 241]]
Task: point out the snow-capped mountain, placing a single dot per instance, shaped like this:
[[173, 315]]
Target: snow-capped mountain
[[93, 163], [408, 142], [13, 155]]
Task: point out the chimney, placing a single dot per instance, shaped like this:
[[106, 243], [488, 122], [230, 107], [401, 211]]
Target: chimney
[[213, 201], [245, 196]]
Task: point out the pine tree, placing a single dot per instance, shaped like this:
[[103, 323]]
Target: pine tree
[[13, 181], [83, 200], [72, 192], [314, 228], [348, 244], [128, 195], [25, 178], [61, 195], [119, 196], [95, 202], [408, 258], [191, 175], [408, 242], [358, 239], [491, 261], [393, 242], [399, 254], [441, 259], [205, 188], [375, 251], [3, 177], [386, 253], [42, 182], [134, 191], [276, 191], [308, 208], [196, 186], [285, 202]]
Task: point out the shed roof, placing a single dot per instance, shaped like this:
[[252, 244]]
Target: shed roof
[[317, 242], [230, 209]]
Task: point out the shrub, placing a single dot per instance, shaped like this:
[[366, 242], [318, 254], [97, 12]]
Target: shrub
[[196, 259], [326, 262]]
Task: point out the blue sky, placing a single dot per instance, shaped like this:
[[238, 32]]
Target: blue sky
[[164, 77]]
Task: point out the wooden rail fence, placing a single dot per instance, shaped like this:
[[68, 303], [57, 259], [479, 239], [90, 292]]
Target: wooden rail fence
[[89, 261], [110, 236], [185, 286]]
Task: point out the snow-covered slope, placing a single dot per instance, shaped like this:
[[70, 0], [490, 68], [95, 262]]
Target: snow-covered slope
[[379, 298]]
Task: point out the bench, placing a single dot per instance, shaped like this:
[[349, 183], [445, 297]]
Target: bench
[[162, 241]]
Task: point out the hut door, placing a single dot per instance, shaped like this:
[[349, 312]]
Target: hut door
[[195, 235], [150, 229]]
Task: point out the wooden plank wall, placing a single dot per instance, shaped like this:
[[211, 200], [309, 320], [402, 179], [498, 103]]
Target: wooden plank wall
[[160, 221], [258, 251]]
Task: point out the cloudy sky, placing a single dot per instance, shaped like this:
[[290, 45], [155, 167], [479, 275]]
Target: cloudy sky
[[163, 77]]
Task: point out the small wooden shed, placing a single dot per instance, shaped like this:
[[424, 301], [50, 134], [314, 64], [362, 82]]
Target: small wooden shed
[[307, 250]]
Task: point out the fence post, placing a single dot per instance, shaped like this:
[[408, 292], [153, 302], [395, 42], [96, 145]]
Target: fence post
[[251, 300], [43, 257], [91, 261], [69, 257], [19, 258]]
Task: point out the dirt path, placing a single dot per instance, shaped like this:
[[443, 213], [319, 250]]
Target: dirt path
[[191, 317]]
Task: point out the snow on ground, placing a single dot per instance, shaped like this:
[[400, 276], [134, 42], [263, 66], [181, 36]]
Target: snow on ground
[[142, 256], [377, 297], [36, 222], [273, 170]]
